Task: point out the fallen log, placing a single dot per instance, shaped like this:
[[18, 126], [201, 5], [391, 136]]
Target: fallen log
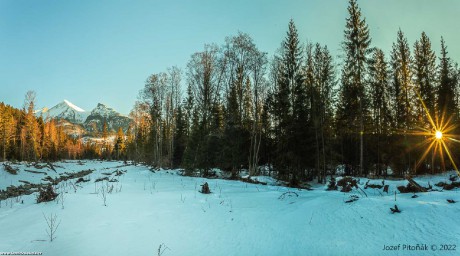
[[416, 185], [10, 169], [50, 165], [412, 187], [36, 172]]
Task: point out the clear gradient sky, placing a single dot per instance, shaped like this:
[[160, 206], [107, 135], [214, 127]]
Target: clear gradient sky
[[90, 51]]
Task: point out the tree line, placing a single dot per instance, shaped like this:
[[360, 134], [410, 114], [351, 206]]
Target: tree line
[[300, 113], [26, 137]]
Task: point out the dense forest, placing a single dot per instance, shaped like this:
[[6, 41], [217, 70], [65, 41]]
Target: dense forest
[[300, 113], [24, 136]]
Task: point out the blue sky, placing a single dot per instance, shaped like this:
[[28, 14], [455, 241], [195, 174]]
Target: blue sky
[[91, 51]]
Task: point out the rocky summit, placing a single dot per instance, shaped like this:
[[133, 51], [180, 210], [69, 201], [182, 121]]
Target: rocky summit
[[72, 115]]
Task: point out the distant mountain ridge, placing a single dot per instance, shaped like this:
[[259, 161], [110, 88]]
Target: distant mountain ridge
[[70, 112]]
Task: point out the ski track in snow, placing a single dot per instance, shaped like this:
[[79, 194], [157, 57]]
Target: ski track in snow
[[236, 219]]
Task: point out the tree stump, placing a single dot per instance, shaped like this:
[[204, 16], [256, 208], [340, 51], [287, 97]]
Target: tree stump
[[385, 188], [205, 188]]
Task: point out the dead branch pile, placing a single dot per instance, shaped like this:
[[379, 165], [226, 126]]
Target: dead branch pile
[[47, 195], [377, 186], [41, 166], [452, 185], [68, 176], [347, 184], [249, 180], [81, 179], [102, 179]]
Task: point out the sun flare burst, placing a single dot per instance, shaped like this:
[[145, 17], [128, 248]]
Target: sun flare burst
[[437, 134]]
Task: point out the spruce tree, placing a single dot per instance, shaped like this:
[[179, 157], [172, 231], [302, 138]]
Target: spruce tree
[[380, 109], [424, 70], [301, 126], [446, 103], [380, 93], [120, 143], [233, 134], [402, 82], [180, 137], [321, 80], [404, 96], [353, 101], [291, 109], [30, 131]]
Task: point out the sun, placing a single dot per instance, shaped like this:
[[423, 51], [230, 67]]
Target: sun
[[438, 135]]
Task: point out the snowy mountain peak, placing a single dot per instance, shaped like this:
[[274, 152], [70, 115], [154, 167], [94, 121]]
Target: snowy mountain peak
[[104, 111], [65, 110], [90, 121], [70, 104]]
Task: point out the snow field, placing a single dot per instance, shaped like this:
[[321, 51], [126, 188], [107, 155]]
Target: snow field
[[146, 210]]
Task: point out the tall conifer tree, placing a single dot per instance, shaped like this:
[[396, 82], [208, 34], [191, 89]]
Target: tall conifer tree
[[352, 108], [424, 70]]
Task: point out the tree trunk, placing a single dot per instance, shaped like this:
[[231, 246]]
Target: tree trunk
[[361, 155], [318, 172], [323, 176]]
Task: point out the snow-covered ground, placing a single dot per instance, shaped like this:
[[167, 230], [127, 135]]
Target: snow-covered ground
[[146, 210]]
